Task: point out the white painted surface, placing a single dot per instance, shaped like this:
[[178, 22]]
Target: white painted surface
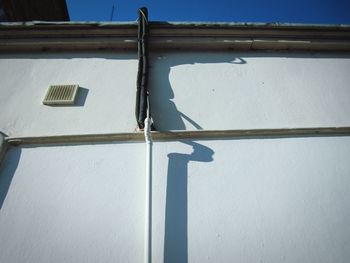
[[214, 90], [270, 200], [250, 90], [106, 104], [73, 204], [258, 200]]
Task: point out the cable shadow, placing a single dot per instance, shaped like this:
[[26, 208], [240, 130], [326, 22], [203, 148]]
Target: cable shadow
[[7, 171], [176, 210], [165, 114]]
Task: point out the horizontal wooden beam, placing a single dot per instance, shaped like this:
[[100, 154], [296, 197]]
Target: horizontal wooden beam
[[179, 135]]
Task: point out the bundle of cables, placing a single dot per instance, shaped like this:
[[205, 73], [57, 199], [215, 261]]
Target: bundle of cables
[[142, 93]]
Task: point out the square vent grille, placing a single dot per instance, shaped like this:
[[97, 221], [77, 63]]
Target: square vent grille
[[61, 95]]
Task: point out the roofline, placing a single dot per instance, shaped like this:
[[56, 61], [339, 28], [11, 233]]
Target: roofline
[[70, 36], [177, 24]]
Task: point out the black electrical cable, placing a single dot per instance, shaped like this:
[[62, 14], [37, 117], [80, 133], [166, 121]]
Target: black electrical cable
[[142, 91]]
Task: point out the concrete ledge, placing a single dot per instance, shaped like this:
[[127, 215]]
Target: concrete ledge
[[178, 135]]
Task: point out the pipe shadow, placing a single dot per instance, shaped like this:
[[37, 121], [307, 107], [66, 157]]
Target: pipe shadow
[[165, 114], [7, 171], [176, 210]]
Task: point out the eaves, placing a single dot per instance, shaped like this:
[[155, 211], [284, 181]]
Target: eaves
[[91, 36]]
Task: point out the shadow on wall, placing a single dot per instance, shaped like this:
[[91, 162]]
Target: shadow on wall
[[175, 234], [7, 171], [81, 97], [165, 114]]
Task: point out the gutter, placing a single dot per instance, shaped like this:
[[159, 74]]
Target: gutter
[[189, 24], [64, 36]]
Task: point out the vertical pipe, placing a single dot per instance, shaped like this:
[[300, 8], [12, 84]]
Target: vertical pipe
[[142, 112], [148, 194]]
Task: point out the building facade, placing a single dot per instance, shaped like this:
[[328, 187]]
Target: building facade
[[250, 150]]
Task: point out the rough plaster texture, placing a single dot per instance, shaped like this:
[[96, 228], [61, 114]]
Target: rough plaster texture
[[255, 200], [191, 90], [72, 204], [253, 90], [105, 101]]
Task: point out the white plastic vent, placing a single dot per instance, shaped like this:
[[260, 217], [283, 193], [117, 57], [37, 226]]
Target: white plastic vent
[[61, 95]]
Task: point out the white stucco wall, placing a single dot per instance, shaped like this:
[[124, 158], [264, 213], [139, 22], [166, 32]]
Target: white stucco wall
[[270, 200], [106, 102], [72, 204], [253, 90], [254, 200], [190, 90], [258, 200]]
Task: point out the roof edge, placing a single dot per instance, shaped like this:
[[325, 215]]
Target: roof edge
[[74, 36], [192, 24]]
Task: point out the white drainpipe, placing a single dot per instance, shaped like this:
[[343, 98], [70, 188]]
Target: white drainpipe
[[148, 197]]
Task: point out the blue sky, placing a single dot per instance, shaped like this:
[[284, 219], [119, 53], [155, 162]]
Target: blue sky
[[297, 11]]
